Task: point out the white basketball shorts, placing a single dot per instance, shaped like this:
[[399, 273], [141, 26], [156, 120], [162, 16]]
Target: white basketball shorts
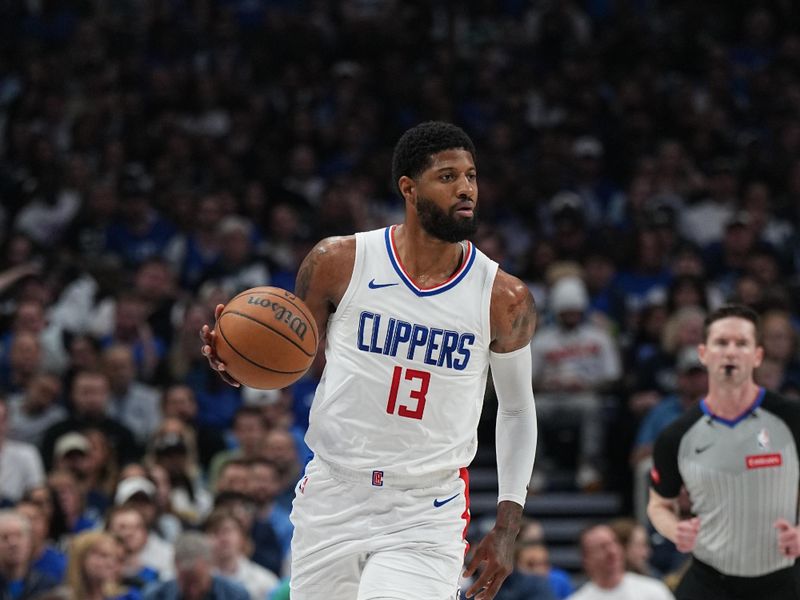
[[370, 537]]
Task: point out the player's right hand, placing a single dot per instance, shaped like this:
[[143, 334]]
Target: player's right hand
[[208, 336], [686, 534]]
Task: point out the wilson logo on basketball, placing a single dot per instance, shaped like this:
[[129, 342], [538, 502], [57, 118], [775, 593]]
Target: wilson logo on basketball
[[760, 461], [282, 313]]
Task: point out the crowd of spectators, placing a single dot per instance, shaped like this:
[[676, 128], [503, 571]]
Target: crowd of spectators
[[639, 163]]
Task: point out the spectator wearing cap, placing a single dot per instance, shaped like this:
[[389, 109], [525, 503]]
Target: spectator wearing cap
[[173, 447], [574, 362], [589, 180], [90, 395], [71, 453], [20, 464], [726, 260], [195, 578], [139, 232], [18, 579], [691, 386], [568, 225], [139, 493]]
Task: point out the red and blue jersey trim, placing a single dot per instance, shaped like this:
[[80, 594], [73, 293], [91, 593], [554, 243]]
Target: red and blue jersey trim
[[452, 281]]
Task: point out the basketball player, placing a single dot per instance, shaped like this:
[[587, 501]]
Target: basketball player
[[415, 316], [737, 455]]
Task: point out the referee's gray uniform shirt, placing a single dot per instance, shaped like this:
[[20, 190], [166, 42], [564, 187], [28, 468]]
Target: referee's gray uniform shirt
[[741, 476]]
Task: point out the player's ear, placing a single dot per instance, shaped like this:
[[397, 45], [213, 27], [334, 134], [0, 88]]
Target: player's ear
[[701, 353], [759, 356], [408, 188]]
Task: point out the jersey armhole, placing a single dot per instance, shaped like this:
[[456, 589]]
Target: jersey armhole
[[355, 278], [491, 274]]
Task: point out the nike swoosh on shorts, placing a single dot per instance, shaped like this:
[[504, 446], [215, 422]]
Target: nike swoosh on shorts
[[437, 503]]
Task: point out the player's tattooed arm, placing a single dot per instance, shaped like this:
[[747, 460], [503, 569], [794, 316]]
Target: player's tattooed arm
[[513, 314], [324, 275]]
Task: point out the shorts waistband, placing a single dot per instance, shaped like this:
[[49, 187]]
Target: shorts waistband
[[381, 478], [757, 583]]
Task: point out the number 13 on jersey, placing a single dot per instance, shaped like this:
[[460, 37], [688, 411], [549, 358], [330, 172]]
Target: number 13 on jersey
[[405, 409]]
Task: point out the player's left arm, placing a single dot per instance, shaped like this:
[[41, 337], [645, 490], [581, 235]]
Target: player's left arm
[[513, 321]]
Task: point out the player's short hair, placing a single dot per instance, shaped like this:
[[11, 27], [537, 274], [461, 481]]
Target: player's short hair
[[414, 150], [733, 310]]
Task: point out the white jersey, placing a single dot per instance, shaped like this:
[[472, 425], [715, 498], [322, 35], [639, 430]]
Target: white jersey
[[403, 386]]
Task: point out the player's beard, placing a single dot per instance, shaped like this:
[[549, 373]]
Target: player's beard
[[442, 225]]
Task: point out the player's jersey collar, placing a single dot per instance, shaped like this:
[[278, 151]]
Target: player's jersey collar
[[452, 281]]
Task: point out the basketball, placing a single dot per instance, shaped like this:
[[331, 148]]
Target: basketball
[[267, 338]]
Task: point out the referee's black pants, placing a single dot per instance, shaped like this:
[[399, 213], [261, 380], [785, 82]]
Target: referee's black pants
[[703, 582]]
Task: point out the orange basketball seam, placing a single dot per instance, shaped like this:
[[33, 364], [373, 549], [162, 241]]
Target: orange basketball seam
[[267, 326], [311, 321], [252, 362]]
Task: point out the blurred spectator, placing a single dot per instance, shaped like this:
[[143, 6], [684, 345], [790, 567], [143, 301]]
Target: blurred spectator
[[194, 575], [249, 430], [234, 476], [238, 267], [279, 410], [636, 544], [71, 453], [24, 362], [229, 541], [279, 448], [94, 570], [779, 339], [20, 465], [703, 222], [35, 409], [692, 385], [163, 521], [174, 448], [18, 578], [272, 529], [194, 254], [71, 501], [45, 557], [130, 327], [132, 403], [44, 497], [139, 569], [139, 232], [574, 362], [179, 402], [90, 396], [140, 494], [683, 328], [533, 558], [604, 564]]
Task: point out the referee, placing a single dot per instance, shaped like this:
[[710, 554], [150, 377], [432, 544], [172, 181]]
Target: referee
[[737, 455]]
